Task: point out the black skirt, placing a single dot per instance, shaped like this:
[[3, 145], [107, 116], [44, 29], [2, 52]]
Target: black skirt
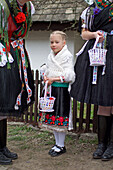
[[82, 89], [62, 102]]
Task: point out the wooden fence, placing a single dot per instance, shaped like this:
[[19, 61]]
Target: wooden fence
[[84, 115]]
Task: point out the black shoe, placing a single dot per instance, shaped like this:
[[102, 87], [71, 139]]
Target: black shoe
[[62, 150], [4, 160], [108, 154], [51, 150], [9, 154], [99, 151]]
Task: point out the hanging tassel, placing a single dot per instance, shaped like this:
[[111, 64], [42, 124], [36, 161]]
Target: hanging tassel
[[95, 68]]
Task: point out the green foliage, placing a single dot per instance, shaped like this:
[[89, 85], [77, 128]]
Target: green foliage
[[91, 141], [13, 130], [85, 110], [18, 133], [17, 138]]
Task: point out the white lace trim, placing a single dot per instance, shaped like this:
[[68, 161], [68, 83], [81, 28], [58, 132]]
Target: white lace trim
[[3, 55]]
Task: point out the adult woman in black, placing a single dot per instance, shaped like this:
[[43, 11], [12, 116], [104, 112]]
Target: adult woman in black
[[16, 81], [97, 21]]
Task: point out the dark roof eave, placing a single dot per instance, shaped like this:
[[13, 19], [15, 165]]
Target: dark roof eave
[[54, 25]]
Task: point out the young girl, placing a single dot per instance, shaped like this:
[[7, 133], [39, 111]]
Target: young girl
[[59, 72]]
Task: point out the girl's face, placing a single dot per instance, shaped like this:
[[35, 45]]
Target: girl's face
[[56, 43]]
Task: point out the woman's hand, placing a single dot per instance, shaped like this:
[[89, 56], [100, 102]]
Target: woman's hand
[[87, 35], [101, 36]]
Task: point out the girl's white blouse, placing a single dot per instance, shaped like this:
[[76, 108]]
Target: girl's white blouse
[[60, 65]]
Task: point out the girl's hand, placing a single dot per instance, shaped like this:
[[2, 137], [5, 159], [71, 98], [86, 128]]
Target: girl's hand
[[45, 79], [50, 81]]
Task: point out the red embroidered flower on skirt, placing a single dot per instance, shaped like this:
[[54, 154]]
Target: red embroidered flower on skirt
[[53, 118], [61, 119], [47, 116], [20, 17]]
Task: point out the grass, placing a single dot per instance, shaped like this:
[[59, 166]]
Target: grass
[[17, 138], [25, 137], [91, 141]]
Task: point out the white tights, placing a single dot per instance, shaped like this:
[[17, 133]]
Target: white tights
[[59, 139]]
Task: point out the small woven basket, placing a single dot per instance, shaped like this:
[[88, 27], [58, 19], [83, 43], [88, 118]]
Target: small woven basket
[[46, 103], [97, 56]]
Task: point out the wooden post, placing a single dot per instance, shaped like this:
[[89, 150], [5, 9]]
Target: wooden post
[[74, 115], [88, 118], [36, 97], [81, 117]]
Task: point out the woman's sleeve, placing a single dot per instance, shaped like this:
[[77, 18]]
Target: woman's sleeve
[[32, 8], [83, 18]]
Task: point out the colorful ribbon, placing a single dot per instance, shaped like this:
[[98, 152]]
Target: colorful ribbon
[[19, 44]]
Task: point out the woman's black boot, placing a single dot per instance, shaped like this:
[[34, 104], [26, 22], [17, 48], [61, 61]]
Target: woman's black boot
[[3, 159], [108, 154], [103, 136], [3, 138]]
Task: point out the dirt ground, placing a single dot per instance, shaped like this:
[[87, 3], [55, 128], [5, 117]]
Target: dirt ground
[[32, 146]]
